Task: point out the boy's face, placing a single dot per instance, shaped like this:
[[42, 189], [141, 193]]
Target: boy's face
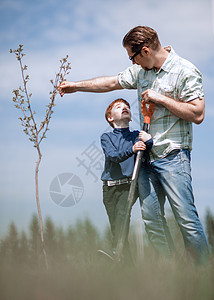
[[120, 115]]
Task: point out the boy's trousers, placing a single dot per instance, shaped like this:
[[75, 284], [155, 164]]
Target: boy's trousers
[[115, 199]]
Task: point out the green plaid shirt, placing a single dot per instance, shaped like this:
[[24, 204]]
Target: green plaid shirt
[[178, 79]]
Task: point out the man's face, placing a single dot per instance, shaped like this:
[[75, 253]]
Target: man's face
[[120, 113], [142, 59]]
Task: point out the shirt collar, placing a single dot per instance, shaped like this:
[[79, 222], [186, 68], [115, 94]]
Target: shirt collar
[[117, 130], [167, 65]]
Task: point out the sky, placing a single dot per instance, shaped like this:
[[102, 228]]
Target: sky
[[90, 33]]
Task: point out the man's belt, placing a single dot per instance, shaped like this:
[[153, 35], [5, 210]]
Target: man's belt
[[117, 182]]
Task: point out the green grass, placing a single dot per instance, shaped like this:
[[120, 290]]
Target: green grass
[[76, 271]]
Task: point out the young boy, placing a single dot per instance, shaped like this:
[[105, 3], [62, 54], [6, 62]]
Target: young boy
[[119, 148]]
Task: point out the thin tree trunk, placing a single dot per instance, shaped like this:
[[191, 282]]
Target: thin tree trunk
[[38, 206]]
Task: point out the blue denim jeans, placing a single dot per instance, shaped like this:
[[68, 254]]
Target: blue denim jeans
[[171, 177]]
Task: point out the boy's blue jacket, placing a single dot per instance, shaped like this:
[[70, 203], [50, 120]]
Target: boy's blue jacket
[[119, 156]]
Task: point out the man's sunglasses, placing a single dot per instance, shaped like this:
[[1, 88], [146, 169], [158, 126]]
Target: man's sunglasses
[[136, 53]]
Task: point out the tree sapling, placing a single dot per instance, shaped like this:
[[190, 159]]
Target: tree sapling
[[35, 132]]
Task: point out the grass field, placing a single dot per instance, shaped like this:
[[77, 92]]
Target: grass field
[[76, 271]]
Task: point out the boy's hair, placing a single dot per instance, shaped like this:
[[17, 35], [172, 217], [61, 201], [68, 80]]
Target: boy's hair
[[141, 36], [111, 105]]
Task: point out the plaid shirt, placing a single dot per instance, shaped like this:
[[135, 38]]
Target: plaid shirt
[[177, 79]]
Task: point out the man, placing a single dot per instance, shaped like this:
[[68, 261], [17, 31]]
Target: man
[[175, 86]]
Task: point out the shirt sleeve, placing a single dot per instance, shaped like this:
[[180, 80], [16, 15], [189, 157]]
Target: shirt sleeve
[[128, 78], [112, 153], [190, 85], [149, 144]]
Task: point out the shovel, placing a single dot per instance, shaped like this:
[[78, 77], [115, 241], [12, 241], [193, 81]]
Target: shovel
[[147, 113]]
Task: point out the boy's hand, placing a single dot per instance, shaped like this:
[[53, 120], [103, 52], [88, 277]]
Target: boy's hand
[[139, 146], [67, 87], [144, 136]]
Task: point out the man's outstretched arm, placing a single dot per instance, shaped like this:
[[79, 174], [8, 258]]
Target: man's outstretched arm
[[95, 85]]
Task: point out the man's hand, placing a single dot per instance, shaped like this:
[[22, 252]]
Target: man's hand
[[138, 146], [67, 87], [151, 96]]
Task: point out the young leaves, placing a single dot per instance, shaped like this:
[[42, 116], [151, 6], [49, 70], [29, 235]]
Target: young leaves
[[22, 99]]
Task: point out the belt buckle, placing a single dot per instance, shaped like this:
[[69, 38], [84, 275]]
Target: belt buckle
[[110, 182]]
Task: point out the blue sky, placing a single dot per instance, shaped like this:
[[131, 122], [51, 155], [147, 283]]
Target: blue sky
[[90, 32]]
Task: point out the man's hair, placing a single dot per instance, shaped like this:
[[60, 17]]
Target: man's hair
[[141, 36], [111, 105]]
